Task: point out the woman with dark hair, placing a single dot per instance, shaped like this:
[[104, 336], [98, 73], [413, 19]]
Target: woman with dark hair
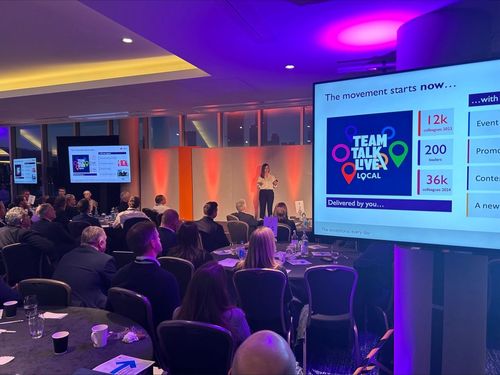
[[60, 208], [281, 212], [207, 301], [188, 246], [266, 183]]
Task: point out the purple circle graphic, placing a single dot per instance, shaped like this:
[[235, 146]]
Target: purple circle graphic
[[347, 153]]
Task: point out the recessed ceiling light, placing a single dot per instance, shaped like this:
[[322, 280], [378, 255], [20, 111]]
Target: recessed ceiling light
[[127, 40], [289, 66]]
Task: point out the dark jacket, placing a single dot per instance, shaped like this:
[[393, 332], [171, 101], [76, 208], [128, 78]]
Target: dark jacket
[[158, 285], [71, 212], [10, 235], [57, 233], [168, 240], [88, 219], [212, 234], [89, 273], [247, 218], [7, 293]]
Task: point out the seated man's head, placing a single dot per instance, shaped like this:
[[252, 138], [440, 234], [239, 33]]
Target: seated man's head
[[241, 205], [210, 209], [264, 352], [87, 194], [46, 211], [95, 237], [61, 192], [17, 217], [124, 196], [170, 219], [70, 200], [160, 200], [83, 206], [134, 202], [143, 239]]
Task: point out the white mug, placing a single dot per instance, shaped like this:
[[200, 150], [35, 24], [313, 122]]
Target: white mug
[[99, 335]]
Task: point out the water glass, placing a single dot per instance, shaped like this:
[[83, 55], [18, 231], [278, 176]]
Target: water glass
[[30, 304], [36, 324]]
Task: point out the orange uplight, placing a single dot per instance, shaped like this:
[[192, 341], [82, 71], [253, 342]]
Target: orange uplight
[[253, 162], [161, 168], [213, 168], [295, 170]]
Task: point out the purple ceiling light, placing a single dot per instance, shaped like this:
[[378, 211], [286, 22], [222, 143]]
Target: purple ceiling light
[[368, 32]]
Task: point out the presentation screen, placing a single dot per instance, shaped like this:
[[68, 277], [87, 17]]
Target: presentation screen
[[95, 164], [410, 157], [25, 171]]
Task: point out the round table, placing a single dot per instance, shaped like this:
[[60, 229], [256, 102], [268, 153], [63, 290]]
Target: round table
[[36, 356], [296, 272]]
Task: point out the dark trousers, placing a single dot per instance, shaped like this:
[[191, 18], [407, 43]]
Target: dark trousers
[[266, 198]]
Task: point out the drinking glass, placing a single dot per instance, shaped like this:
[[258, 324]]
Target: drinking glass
[[36, 324], [30, 304], [335, 256]]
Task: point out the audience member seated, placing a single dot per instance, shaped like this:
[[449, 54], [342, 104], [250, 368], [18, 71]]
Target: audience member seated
[[207, 301], [56, 232], [145, 276], [88, 270], [83, 207], [133, 211], [17, 230], [3, 211], [168, 228], [160, 204], [60, 209], [212, 233], [264, 352], [93, 204], [7, 293], [189, 246], [71, 210], [242, 215], [61, 192], [281, 212], [124, 198]]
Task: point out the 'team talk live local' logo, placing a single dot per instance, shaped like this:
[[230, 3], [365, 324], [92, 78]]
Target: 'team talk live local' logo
[[370, 154]]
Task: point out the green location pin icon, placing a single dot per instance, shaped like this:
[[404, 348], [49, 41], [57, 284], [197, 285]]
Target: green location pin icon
[[398, 159]]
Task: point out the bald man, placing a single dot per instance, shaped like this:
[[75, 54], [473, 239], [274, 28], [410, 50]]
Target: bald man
[[264, 352]]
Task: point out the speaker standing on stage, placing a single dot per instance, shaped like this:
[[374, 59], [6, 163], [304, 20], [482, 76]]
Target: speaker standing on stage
[[266, 183]]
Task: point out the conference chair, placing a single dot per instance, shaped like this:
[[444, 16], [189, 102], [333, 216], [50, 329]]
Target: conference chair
[[122, 258], [76, 228], [129, 223], [182, 269], [224, 225], [331, 291], [21, 262], [261, 295], [284, 233], [152, 214], [192, 348], [232, 218], [47, 291], [238, 231]]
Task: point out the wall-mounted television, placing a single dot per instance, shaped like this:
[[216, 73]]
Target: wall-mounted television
[[24, 171], [410, 156], [99, 164]]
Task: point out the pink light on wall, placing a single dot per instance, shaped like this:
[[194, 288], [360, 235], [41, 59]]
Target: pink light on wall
[[161, 171], [213, 168], [369, 32]]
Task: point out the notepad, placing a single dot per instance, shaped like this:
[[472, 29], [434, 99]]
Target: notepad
[[5, 359], [320, 253], [50, 315], [317, 247], [223, 252], [228, 262], [298, 262]]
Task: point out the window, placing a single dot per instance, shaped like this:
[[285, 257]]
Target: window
[[54, 131], [239, 128], [201, 130], [308, 125], [164, 132], [29, 145], [281, 126], [94, 128], [4, 165]]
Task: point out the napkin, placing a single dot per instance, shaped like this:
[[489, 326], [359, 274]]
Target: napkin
[[298, 262], [228, 262], [5, 359], [223, 252], [50, 315]]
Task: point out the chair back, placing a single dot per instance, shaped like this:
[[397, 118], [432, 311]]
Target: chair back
[[48, 292], [284, 233], [238, 230], [122, 258], [224, 226], [261, 293], [129, 223], [76, 228], [232, 218], [331, 290], [152, 214], [194, 347], [21, 262], [182, 270]]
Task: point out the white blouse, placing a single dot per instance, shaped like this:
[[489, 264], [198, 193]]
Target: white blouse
[[266, 183]]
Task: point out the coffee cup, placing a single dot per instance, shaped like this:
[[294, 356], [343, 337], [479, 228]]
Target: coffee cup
[[60, 341], [99, 335], [10, 308]]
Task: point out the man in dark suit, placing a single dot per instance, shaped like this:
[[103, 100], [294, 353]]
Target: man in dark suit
[[17, 230], [212, 233], [88, 270], [168, 230], [84, 207], [145, 276], [71, 210], [241, 207], [54, 231]]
